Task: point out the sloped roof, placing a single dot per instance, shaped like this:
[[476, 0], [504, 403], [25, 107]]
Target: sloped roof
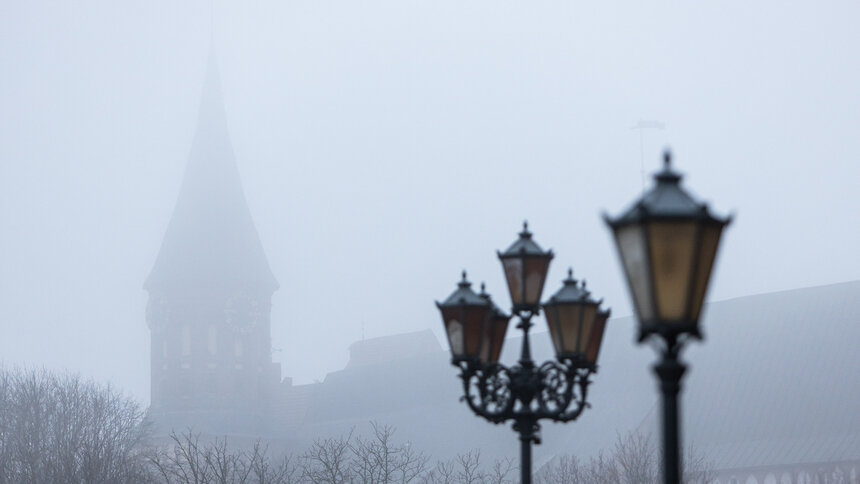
[[388, 349], [778, 381], [775, 382], [211, 240]]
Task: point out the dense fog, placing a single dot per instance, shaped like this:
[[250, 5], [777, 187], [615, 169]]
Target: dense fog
[[385, 146]]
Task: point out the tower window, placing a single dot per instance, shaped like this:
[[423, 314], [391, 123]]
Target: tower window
[[238, 348], [213, 339], [186, 340]]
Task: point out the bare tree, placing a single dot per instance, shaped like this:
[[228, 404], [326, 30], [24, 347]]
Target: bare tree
[[441, 473], [269, 471], [501, 470], [185, 461], [469, 467], [379, 459], [634, 459], [6, 426], [192, 460], [61, 428], [328, 461], [697, 469], [565, 469], [603, 470]]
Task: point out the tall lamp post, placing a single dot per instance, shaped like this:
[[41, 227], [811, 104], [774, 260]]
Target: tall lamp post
[[526, 392], [668, 242]]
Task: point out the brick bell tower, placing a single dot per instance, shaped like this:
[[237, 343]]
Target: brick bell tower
[[210, 295]]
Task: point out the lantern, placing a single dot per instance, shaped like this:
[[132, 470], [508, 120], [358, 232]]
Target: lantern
[[466, 317], [667, 242], [576, 322], [525, 265]]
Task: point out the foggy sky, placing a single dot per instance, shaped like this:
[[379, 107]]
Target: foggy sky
[[386, 145]]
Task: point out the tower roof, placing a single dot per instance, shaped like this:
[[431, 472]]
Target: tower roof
[[211, 241]]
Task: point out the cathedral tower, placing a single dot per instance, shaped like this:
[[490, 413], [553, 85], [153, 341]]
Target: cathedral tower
[[210, 295]]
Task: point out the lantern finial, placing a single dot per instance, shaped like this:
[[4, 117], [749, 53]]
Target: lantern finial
[[525, 233], [464, 282], [667, 175], [570, 281]]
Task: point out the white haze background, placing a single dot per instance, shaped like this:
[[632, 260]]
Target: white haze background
[[386, 145]]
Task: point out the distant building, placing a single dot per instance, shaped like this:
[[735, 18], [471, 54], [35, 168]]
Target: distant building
[[210, 295], [772, 396]]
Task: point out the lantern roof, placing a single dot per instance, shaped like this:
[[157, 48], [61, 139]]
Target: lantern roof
[[666, 200], [525, 245], [572, 292], [464, 295]]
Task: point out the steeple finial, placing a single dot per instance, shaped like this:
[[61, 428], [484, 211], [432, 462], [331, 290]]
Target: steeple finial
[[211, 23]]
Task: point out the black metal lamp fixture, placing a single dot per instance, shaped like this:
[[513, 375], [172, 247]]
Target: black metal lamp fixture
[[525, 393], [576, 322], [467, 317], [667, 242], [526, 266]]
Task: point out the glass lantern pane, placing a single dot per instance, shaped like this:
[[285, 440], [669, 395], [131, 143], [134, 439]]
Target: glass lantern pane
[[634, 257], [485, 353], [569, 324], [514, 275], [707, 253], [535, 272], [596, 339], [672, 249], [497, 340], [474, 330], [455, 337], [588, 314], [552, 320]]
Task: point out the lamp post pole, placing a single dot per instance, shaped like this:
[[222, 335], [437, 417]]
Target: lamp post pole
[[668, 242], [670, 370], [526, 426], [526, 392]]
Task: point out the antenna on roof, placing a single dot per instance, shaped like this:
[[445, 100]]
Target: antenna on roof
[[642, 125]]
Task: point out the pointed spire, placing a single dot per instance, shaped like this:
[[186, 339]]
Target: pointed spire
[[211, 240]]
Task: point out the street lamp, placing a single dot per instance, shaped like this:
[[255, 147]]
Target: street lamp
[[525, 393], [668, 242]]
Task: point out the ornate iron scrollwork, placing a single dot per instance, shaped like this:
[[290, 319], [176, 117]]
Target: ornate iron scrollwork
[[554, 391]]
